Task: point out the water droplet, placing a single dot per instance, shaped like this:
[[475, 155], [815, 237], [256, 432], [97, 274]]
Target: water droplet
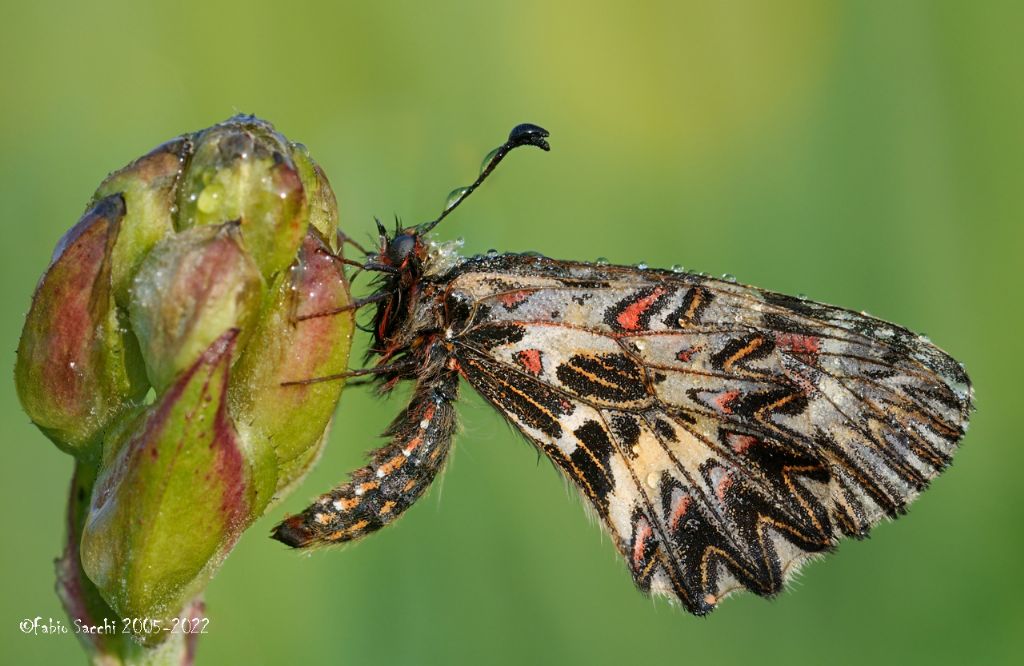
[[601, 261], [802, 296], [210, 198], [488, 158], [728, 277], [924, 338], [652, 480], [492, 253], [72, 365], [678, 268], [641, 266], [640, 344], [454, 196]]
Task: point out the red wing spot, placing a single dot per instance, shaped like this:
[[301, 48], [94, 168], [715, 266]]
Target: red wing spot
[[682, 506], [724, 401], [686, 355], [530, 360], [643, 533], [429, 412], [723, 486], [798, 344], [513, 298], [740, 443], [629, 318]]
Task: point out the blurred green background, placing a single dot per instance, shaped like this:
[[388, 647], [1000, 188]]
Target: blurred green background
[[868, 154]]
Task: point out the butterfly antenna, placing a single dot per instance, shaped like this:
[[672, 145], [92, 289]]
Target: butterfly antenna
[[521, 135]]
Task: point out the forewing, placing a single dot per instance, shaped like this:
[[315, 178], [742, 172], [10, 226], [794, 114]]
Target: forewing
[[723, 433]]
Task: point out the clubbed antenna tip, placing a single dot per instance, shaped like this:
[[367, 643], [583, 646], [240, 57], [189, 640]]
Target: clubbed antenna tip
[[526, 134]]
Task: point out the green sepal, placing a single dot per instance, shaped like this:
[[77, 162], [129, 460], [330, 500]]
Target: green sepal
[[172, 496]]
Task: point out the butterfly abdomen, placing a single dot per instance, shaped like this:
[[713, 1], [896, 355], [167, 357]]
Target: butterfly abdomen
[[398, 474]]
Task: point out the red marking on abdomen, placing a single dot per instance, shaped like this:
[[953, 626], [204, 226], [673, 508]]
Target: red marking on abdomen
[[723, 401], [798, 344], [530, 360], [629, 319]]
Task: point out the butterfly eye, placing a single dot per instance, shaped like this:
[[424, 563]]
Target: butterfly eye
[[400, 247]]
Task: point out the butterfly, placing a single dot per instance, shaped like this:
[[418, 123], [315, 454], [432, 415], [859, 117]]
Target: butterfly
[[724, 434]]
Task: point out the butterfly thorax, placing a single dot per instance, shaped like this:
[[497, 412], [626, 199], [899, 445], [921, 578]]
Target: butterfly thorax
[[406, 322]]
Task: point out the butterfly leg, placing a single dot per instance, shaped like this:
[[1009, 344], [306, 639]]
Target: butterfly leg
[[398, 474]]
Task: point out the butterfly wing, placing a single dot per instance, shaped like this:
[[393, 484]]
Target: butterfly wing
[[723, 433]]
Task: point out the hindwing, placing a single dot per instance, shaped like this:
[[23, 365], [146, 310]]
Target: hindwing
[[723, 433]]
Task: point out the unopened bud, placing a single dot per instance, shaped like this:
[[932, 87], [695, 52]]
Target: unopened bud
[[172, 496], [243, 170], [78, 367], [192, 288]]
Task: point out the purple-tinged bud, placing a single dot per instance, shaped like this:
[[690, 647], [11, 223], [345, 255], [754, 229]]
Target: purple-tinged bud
[[289, 345], [172, 495], [192, 288], [192, 277], [78, 367]]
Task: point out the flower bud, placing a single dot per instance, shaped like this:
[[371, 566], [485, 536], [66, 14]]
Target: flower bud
[[243, 170], [323, 206], [172, 495], [86, 606], [198, 276], [289, 345], [147, 187], [192, 288], [77, 367]]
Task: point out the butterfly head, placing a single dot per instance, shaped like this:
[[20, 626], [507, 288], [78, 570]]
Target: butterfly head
[[402, 251]]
